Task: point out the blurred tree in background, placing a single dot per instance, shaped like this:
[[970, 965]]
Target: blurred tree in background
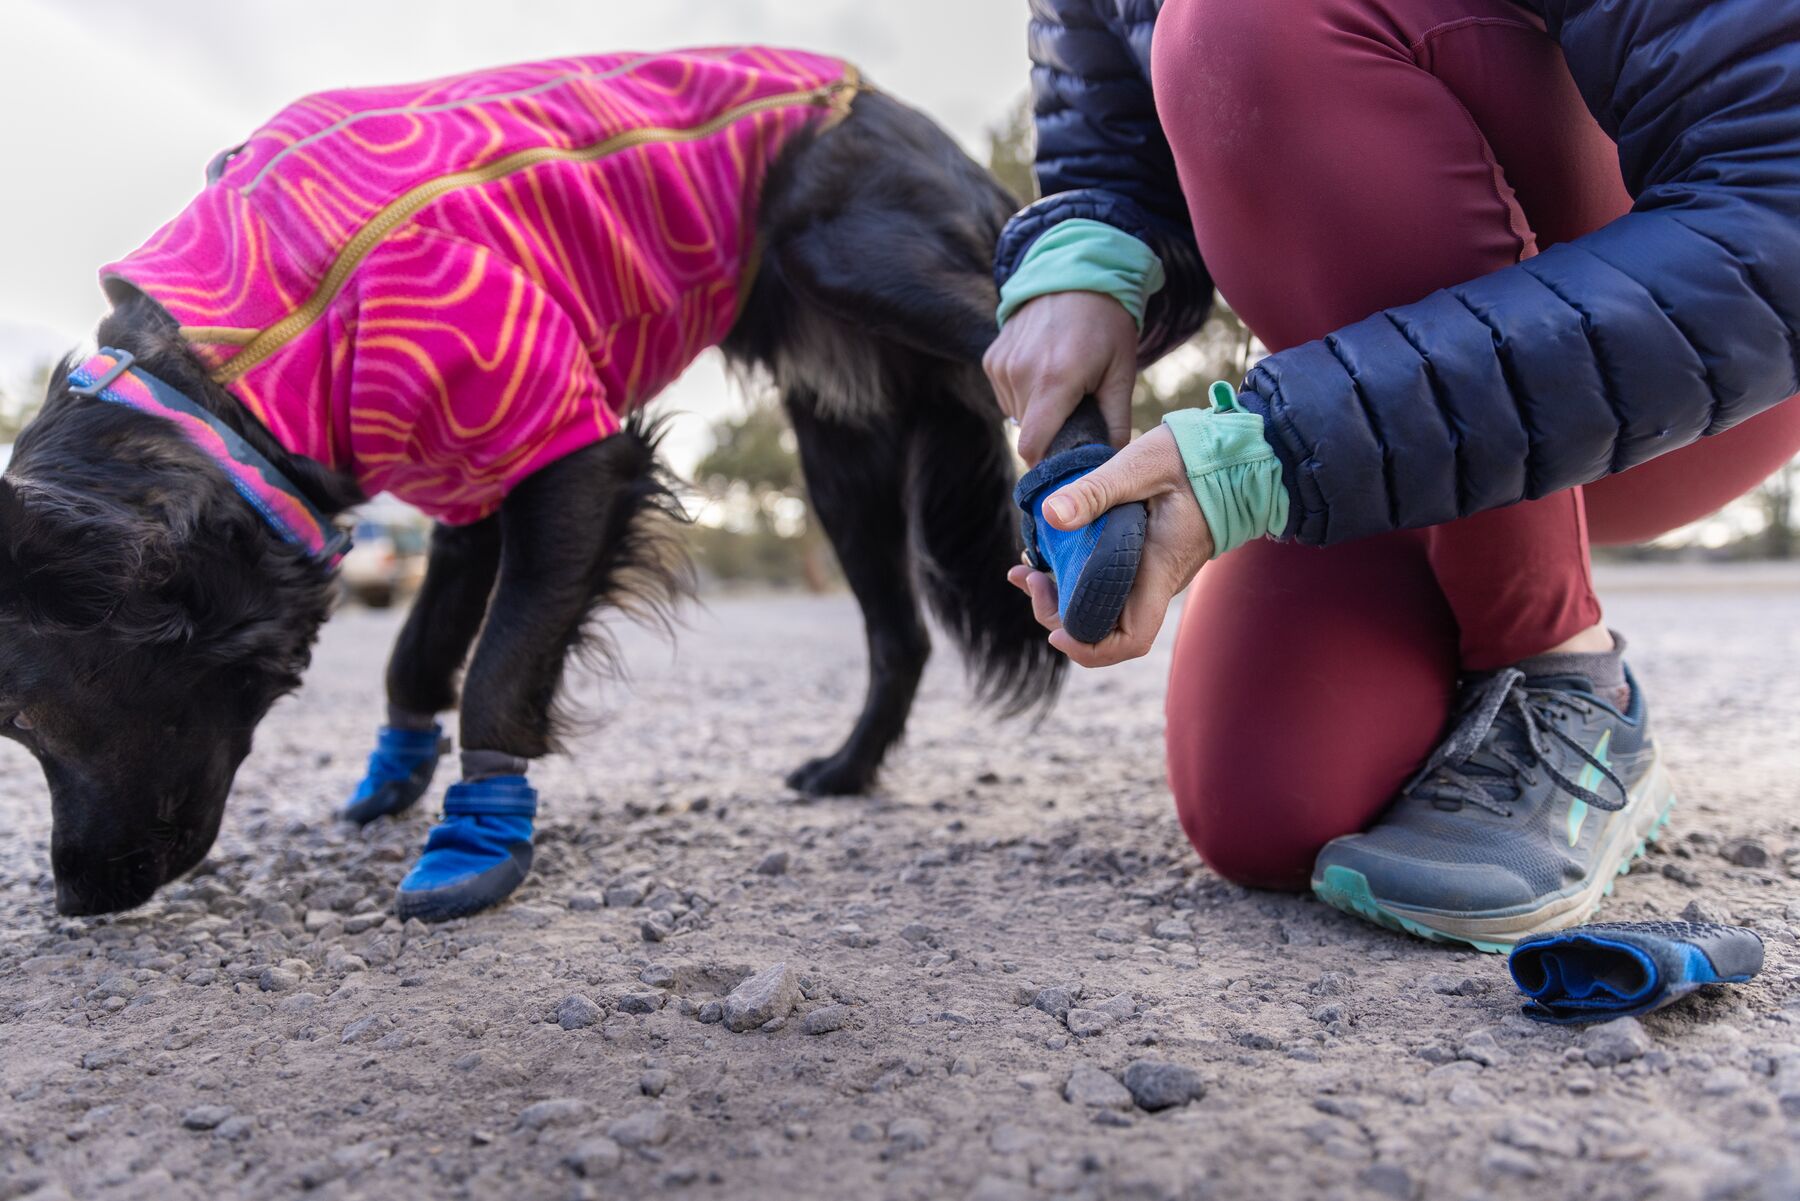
[[16, 410], [756, 527], [1012, 148]]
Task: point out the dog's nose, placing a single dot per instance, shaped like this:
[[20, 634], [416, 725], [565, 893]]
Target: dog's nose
[[126, 884]]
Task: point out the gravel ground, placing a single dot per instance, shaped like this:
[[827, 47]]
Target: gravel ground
[[945, 987]]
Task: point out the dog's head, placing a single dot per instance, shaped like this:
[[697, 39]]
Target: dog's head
[[148, 620]]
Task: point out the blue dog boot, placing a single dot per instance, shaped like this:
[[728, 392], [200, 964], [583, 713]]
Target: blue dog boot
[[476, 855], [1094, 566], [1615, 969], [400, 770]]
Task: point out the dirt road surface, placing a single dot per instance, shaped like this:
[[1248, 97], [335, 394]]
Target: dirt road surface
[[957, 972]]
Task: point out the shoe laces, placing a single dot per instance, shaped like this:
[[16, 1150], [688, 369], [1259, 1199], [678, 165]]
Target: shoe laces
[[1480, 762]]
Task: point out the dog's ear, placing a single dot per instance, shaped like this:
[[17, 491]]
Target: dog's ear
[[78, 563]]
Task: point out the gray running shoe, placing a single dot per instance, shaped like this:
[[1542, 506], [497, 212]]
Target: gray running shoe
[[1518, 824]]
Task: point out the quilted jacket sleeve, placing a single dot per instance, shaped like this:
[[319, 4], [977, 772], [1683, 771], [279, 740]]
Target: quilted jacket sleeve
[[1101, 154], [1678, 320]]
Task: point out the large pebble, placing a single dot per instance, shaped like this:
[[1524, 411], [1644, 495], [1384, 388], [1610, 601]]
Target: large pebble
[[1089, 1086], [1618, 1041], [1085, 1023], [560, 1111], [205, 1117], [1057, 999], [825, 1019], [1158, 1084], [645, 1128], [593, 1157], [576, 1012], [771, 993]]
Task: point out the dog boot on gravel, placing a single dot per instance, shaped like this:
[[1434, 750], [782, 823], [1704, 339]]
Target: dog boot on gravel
[[477, 853], [1094, 566], [1518, 824], [1616, 969], [400, 770]]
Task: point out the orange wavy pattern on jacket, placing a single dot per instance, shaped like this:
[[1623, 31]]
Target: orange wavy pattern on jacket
[[442, 287]]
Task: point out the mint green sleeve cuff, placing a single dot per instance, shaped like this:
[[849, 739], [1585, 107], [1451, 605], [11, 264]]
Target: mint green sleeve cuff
[[1232, 469], [1080, 255]]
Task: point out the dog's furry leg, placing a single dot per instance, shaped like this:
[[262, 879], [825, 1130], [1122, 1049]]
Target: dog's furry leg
[[574, 536], [854, 478], [445, 617]]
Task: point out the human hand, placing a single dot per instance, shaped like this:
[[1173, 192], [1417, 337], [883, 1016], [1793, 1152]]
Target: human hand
[[1177, 543], [1057, 349]]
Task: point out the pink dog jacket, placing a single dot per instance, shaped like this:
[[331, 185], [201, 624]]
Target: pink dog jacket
[[442, 287]]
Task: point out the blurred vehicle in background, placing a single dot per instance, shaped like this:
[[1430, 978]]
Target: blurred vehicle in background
[[387, 561]]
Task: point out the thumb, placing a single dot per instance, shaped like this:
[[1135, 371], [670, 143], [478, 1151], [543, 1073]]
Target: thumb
[[1145, 469]]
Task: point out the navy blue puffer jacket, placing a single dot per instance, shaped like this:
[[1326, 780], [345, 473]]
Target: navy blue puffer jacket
[[1678, 320], [1101, 153]]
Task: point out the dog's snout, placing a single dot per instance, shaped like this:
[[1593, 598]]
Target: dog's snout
[[89, 883]]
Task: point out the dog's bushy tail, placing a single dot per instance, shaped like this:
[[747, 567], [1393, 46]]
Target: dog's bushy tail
[[965, 531]]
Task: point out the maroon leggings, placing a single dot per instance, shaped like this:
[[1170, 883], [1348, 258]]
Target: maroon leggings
[[1340, 157]]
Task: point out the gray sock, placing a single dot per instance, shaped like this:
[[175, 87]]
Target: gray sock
[[406, 719], [1605, 670], [483, 765]]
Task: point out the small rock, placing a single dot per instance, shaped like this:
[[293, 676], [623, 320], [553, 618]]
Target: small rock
[[775, 863], [1056, 1000], [710, 1012], [623, 896], [105, 1057], [318, 919], [1090, 1087], [1390, 1180], [560, 1111], [1085, 1023], [1530, 1132], [1681, 875], [657, 925], [364, 1030], [235, 1130], [1114, 934], [918, 932], [275, 979], [645, 1128], [655, 1082], [593, 1157], [1156, 1084], [576, 1012], [205, 1117], [585, 902], [1618, 1041], [1745, 852], [910, 1134], [771, 993], [641, 1002], [1172, 929], [825, 1019], [1120, 1008], [1706, 911], [658, 975]]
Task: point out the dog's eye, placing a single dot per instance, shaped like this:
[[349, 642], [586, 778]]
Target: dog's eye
[[21, 721]]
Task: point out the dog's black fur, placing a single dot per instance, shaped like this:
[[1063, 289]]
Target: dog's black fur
[[148, 619]]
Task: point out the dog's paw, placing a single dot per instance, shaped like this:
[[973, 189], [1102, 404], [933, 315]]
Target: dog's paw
[[831, 775]]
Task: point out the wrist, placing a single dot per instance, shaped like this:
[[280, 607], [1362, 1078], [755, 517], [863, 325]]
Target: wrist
[[1081, 255], [1232, 469]]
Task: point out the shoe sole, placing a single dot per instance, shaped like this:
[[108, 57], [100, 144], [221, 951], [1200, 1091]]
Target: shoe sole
[[1347, 889], [1105, 580]]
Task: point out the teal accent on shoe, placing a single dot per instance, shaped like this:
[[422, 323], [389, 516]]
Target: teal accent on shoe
[[477, 855], [399, 773], [1348, 889]]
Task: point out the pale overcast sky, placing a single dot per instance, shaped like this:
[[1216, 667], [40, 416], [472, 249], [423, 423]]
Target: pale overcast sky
[[112, 108]]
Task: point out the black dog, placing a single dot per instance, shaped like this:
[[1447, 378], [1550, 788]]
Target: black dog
[[149, 617]]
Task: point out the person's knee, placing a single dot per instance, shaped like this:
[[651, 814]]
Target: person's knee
[[1244, 850]]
